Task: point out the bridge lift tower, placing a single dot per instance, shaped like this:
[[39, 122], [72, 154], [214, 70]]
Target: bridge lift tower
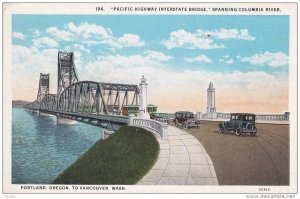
[[67, 74], [43, 89]]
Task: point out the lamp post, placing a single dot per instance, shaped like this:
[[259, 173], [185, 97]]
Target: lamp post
[[143, 113]]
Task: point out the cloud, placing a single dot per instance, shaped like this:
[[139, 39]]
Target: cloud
[[157, 55], [222, 33], [203, 39], [184, 39], [44, 42], [276, 59], [130, 40], [80, 52], [33, 59], [18, 35], [226, 59], [88, 30], [77, 47], [200, 58], [174, 90], [92, 34], [147, 59], [229, 61], [60, 35], [28, 63], [36, 33]]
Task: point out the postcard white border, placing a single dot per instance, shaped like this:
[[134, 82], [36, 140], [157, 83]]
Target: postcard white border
[[89, 9]]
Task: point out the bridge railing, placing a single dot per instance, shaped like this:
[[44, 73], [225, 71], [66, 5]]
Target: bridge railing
[[275, 117], [154, 125], [267, 117], [223, 115]]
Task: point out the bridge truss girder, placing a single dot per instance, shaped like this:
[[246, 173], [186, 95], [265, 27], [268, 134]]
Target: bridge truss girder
[[49, 102], [97, 97]]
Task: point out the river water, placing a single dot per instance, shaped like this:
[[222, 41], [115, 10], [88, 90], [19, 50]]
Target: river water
[[41, 150]]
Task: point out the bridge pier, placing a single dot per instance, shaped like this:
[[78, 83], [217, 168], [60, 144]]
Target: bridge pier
[[44, 114], [62, 120], [35, 111], [107, 133]]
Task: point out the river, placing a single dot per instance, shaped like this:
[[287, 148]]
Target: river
[[41, 150]]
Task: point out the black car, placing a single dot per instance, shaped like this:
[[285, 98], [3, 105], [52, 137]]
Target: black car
[[186, 119]]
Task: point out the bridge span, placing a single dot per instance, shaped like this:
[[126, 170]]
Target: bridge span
[[112, 122], [96, 103]]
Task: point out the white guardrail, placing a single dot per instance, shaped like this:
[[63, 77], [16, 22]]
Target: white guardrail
[[154, 125], [268, 117]]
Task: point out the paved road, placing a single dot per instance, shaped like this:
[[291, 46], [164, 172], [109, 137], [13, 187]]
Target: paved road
[[182, 161], [246, 160]]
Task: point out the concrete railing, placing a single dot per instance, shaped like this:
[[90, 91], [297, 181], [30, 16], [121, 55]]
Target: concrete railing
[[156, 126], [223, 115], [275, 117], [267, 117]]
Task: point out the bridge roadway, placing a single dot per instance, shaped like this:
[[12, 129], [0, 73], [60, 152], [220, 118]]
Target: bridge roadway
[[113, 122]]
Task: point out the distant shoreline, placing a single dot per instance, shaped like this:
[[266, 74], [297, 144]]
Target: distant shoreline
[[18, 103]]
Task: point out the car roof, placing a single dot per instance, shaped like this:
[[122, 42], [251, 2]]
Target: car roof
[[242, 114], [184, 112]]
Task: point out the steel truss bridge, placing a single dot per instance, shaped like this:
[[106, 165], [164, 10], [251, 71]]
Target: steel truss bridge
[[97, 103]]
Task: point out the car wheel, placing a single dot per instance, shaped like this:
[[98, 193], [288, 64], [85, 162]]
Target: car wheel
[[254, 131], [238, 131], [176, 123], [185, 126], [222, 130], [249, 126]]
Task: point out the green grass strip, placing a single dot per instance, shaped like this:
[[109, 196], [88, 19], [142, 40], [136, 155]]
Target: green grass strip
[[124, 158]]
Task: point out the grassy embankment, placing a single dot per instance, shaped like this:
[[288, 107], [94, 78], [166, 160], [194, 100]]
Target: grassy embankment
[[124, 158]]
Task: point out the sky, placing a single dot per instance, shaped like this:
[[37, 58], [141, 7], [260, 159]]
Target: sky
[[246, 57]]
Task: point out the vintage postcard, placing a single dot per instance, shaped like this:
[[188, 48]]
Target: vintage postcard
[[150, 98]]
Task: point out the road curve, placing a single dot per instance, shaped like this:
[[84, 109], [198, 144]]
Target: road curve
[[182, 161]]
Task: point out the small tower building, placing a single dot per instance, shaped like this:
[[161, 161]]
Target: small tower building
[[211, 111]]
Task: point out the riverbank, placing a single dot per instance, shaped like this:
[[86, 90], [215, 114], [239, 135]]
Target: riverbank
[[124, 158], [247, 160]]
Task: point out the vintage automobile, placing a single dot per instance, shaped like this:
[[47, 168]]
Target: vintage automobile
[[239, 123], [162, 117], [186, 119]]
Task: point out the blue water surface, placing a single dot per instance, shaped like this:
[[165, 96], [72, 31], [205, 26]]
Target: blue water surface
[[41, 150]]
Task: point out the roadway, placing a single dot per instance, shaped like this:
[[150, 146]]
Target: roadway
[[246, 160]]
